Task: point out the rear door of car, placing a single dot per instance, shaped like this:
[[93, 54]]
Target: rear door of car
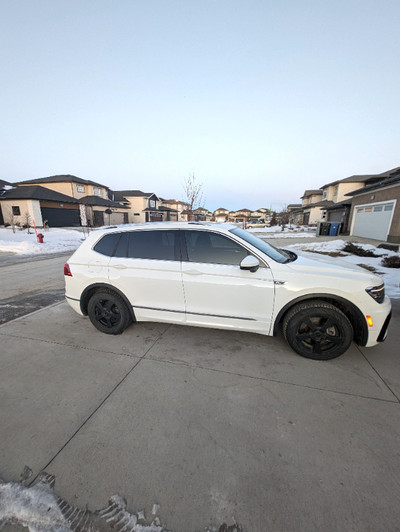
[[217, 292], [146, 267]]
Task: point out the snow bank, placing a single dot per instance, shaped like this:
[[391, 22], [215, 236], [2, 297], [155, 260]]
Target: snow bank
[[55, 241], [293, 232], [391, 276]]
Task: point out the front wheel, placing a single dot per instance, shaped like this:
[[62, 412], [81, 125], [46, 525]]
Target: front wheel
[[317, 330], [108, 312]]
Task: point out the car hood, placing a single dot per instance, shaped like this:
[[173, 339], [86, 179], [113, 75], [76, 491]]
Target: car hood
[[310, 263]]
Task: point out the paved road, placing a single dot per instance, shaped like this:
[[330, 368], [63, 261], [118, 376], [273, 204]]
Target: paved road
[[27, 284], [31, 274]]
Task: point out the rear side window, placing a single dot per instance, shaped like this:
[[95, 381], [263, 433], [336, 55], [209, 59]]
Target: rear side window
[[107, 244], [158, 245]]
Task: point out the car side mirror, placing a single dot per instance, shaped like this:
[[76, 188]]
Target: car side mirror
[[250, 263]]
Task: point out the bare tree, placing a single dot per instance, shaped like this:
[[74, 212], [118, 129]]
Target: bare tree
[[27, 220], [193, 193]]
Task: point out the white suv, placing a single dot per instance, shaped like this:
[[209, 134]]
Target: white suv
[[217, 275]]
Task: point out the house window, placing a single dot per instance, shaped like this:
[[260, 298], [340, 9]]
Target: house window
[[16, 211], [80, 188], [378, 208], [324, 194], [97, 191], [389, 207], [152, 203]]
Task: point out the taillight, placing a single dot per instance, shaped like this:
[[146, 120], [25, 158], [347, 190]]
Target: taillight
[[67, 270]]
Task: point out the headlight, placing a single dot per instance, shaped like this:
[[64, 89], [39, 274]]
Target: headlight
[[377, 292]]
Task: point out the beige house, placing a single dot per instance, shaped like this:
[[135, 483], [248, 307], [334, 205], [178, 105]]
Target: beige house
[[35, 205], [311, 207], [181, 207], [240, 216], [144, 206], [221, 215], [91, 200]]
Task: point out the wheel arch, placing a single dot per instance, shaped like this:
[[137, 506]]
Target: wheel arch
[[348, 308], [98, 287]]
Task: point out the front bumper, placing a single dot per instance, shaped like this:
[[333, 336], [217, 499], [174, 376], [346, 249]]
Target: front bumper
[[381, 319]]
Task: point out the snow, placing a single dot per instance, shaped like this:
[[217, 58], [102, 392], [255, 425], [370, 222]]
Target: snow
[[391, 276], [288, 232], [54, 241]]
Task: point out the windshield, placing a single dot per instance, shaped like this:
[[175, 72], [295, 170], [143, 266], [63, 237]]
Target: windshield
[[268, 249]]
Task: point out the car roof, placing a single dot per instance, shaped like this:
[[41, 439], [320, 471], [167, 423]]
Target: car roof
[[165, 225]]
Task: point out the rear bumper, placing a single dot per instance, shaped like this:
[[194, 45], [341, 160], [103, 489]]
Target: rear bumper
[[75, 304]]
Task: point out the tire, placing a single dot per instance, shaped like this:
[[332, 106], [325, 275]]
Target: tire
[[108, 312], [317, 330]]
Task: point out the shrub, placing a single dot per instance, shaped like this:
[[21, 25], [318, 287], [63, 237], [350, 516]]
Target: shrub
[[391, 262], [357, 250]]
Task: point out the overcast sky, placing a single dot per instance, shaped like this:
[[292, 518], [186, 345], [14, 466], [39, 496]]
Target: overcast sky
[[260, 99]]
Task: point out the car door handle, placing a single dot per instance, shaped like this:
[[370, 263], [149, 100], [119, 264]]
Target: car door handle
[[120, 266], [193, 272]]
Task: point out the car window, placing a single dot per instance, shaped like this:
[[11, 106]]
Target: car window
[[159, 245], [107, 244], [122, 247], [271, 251], [212, 248]]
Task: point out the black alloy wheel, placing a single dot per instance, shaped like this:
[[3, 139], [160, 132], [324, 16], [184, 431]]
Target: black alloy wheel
[[317, 330], [108, 312]]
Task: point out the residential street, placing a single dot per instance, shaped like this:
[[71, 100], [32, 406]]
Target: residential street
[[213, 426], [28, 284]]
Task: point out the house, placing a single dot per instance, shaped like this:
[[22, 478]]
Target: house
[[4, 186], [375, 207], [202, 215], [221, 215], [94, 206], [338, 210], [36, 204], [144, 206], [295, 213], [240, 216], [260, 215], [310, 206], [179, 207]]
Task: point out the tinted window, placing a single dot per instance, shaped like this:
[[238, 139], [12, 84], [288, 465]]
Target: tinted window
[[107, 244], [158, 245], [122, 247], [266, 248], [204, 246]]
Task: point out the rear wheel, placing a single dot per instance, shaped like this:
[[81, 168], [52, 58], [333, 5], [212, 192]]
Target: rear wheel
[[108, 312], [317, 330]]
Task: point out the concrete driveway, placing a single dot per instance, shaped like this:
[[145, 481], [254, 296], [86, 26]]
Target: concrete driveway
[[214, 426]]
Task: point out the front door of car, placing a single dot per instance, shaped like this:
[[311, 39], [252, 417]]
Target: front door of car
[[146, 267], [220, 294]]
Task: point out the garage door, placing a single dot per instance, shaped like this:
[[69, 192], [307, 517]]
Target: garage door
[[373, 221], [61, 217]]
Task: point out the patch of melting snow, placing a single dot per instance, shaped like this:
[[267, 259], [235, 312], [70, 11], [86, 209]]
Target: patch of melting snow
[[40, 509]]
